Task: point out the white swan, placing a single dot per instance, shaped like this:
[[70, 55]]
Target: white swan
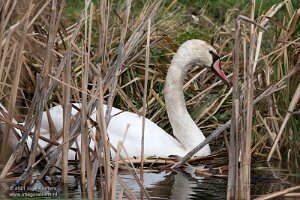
[[157, 141]]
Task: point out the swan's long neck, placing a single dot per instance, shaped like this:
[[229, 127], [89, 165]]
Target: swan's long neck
[[184, 128]]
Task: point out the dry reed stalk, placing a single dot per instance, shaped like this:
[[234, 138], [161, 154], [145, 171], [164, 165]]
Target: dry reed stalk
[[7, 132], [272, 135], [244, 188], [131, 169], [18, 66], [278, 194], [119, 62], [245, 177], [127, 192], [208, 108], [42, 91], [211, 114], [232, 184], [27, 127], [111, 96], [207, 89], [66, 115], [161, 161], [292, 195], [115, 172], [112, 39], [84, 156], [269, 91], [245, 136], [201, 145], [147, 60], [87, 52], [291, 108], [51, 87], [127, 100], [101, 136], [103, 28], [102, 43], [264, 22], [136, 36]]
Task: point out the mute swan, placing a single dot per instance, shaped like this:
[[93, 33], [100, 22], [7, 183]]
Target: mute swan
[[157, 141]]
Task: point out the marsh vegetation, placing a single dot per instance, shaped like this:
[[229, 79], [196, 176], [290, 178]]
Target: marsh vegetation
[[56, 52]]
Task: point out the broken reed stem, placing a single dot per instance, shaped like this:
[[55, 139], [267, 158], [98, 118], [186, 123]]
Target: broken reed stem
[[232, 185]]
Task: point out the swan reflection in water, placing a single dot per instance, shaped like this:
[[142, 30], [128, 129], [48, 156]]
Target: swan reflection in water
[[177, 185]]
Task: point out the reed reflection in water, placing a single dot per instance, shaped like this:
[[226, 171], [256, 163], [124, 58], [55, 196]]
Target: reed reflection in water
[[177, 185]]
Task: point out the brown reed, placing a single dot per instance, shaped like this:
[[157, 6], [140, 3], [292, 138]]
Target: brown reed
[[101, 59]]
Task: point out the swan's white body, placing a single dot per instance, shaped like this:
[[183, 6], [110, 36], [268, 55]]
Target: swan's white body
[[157, 141]]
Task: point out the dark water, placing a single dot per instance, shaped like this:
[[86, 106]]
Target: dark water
[[266, 178]]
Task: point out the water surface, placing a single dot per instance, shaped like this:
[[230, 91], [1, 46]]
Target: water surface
[[266, 178]]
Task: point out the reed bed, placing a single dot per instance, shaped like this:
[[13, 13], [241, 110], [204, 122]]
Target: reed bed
[[119, 57], [248, 46]]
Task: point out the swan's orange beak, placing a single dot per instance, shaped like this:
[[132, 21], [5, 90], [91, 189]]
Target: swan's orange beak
[[216, 67]]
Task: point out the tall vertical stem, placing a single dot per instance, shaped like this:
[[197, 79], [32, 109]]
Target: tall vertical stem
[[245, 173], [232, 186]]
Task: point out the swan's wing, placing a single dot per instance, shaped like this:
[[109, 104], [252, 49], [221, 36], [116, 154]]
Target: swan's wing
[[56, 114], [156, 141]]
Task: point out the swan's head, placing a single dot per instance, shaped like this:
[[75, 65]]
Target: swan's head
[[199, 52]]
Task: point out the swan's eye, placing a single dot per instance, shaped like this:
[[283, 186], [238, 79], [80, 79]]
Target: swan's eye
[[215, 57]]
